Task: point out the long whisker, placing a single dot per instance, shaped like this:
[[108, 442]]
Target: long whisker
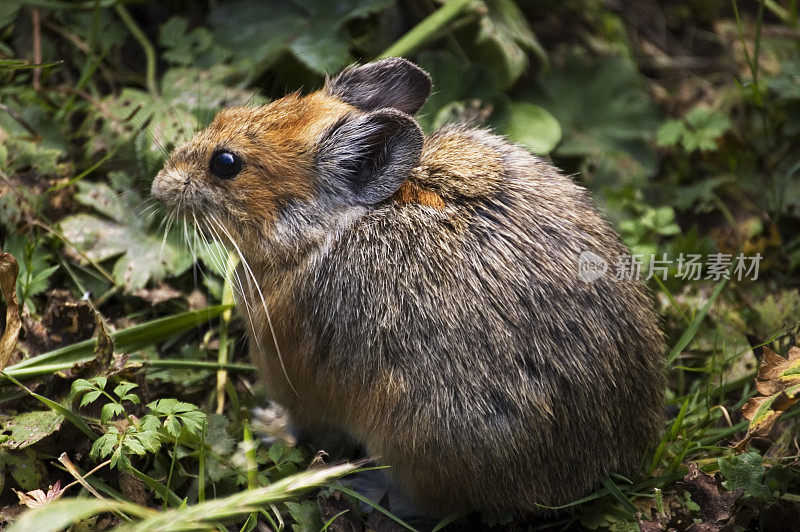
[[263, 301], [244, 297]]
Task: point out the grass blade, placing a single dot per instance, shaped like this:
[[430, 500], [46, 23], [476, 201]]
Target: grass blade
[[130, 339], [691, 331]]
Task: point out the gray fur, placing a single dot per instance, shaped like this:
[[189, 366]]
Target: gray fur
[[366, 158], [521, 385], [388, 83]]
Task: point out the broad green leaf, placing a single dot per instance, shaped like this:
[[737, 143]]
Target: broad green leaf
[[603, 110], [307, 515], [454, 81], [142, 255], [28, 428], [502, 41], [745, 471], [26, 467], [532, 126], [312, 30]]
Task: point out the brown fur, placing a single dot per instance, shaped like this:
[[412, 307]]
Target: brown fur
[[442, 326]]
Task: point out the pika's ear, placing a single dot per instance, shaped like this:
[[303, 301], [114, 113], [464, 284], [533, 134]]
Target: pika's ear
[[389, 83], [365, 158]]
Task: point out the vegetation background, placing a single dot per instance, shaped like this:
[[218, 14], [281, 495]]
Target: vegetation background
[[127, 398]]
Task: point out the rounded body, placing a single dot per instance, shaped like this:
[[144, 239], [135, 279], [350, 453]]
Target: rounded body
[[422, 295], [458, 343]]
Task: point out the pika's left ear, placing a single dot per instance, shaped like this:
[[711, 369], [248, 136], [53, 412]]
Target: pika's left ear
[[389, 83], [364, 159]]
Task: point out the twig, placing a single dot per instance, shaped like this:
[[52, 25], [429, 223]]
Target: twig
[[81, 481], [9, 269], [36, 21], [64, 459]]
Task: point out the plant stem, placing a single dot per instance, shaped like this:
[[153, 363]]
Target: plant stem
[[144, 42], [225, 319], [423, 31]]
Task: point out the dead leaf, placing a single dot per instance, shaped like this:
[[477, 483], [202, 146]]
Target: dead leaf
[[38, 498], [778, 382], [66, 320], [716, 504], [159, 294], [103, 353], [8, 286], [132, 488]]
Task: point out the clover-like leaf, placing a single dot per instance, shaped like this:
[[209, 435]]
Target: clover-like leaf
[[110, 410], [122, 389]]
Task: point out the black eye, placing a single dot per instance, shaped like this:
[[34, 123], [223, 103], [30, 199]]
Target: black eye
[[225, 164]]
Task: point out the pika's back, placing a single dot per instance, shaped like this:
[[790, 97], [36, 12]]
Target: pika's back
[[492, 359]]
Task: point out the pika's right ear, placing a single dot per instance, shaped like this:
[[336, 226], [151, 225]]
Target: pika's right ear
[[389, 83], [365, 158]]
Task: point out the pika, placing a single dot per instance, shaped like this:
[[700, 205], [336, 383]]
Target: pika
[[422, 295]]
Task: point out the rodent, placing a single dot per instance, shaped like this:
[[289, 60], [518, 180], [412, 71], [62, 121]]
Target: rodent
[[423, 293]]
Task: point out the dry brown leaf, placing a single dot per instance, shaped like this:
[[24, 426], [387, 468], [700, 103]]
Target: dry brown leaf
[[38, 498], [778, 382], [9, 269]]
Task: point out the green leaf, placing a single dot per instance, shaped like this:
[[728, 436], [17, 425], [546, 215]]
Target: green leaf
[[149, 440], [502, 40], [532, 126], [172, 426], [103, 446], [90, 397], [312, 30], [307, 515], [276, 451], [455, 82], [26, 467], [745, 471], [193, 421], [670, 133], [28, 428], [80, 386], [123, 388], [194, 48], [603, 109], [110, 410], [151, 423], [99, 382], [144, 256]]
